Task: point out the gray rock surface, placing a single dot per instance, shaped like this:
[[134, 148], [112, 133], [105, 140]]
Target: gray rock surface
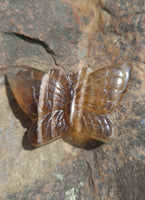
[[69, 34]]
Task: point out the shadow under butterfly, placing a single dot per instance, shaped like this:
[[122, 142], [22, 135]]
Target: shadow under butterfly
[[74, 107]]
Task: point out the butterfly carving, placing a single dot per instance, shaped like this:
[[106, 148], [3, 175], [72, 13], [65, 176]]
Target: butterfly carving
[[60, 104]]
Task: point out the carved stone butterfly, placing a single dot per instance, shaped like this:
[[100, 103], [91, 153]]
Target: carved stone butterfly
[[60, 104]]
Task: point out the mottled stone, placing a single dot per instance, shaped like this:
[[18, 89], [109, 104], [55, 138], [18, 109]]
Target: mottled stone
[[45, 34]]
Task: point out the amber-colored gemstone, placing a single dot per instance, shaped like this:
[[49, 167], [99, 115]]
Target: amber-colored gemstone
[[73, 106]]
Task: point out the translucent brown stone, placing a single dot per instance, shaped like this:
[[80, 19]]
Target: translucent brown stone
[[74, 106]]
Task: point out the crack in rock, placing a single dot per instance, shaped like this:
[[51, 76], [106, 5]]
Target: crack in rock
[[33, 40]]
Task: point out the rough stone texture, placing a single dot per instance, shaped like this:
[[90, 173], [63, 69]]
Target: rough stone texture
[[70, 34]]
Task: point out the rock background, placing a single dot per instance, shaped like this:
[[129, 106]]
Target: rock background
[[69, 34]]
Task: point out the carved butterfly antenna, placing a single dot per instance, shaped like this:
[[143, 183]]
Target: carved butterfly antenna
[[57, 103]]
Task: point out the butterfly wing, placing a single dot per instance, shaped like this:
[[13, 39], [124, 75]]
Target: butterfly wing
[[42, 97], [96, 126], [52, 127], [52, 120], [25, 84], [102, 91], [105, 87]]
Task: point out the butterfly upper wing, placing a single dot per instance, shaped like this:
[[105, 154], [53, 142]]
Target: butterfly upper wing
[[42, 97], [105, 88], [25, 83], [102, 91]]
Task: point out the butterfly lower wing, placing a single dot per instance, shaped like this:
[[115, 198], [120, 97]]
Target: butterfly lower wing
[[25, 83], [52, 127], [96, 126], [52, 122], [105, 88]]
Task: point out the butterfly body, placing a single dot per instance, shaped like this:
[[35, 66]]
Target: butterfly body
[[60, 104]]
